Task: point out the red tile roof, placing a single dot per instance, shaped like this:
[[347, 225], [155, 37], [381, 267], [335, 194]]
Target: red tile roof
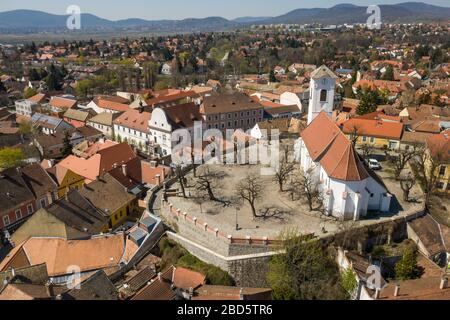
[[374, 128], [135, 120], [335, 153]]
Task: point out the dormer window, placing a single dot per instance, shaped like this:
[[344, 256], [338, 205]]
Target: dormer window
[[323, 96]]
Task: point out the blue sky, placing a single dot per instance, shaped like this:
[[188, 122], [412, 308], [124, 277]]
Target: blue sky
[[180, 9]]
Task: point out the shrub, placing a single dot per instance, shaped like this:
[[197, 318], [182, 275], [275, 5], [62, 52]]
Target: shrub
[[406, 268]]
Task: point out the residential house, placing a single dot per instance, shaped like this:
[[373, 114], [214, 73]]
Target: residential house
[[301, 67], [282, 112], [104, 160], [96, 287], [51, 146], [279, 70], [43, 187], [59, 105], [166, 69], [110, 197], [231, 111], [71, 217], [291, 98], [78, 118], [432, 239], [210, 292], [109, 105], [104, 123], [17, 201], [110, 253], [65, 179], [439, 150], [132, 127], [164, 121], [285, 127], [26, 108], [377, 133], [48, 124]]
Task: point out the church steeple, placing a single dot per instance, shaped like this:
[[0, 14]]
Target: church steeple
[[321, 93]]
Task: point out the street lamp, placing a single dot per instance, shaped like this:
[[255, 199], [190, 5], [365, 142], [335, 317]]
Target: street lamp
[[237, 224]]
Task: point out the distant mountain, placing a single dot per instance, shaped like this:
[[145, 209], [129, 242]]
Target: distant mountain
[[29, 21], [250, 19], [348, 13]]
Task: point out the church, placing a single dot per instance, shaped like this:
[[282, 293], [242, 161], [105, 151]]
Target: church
[[349, 189]]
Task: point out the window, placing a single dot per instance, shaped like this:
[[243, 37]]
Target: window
[[323, 96], [43, 203], [440, 185], [372, 140], [30, 209], [18, 214], [364, 139], [442, 170], [6, 221]]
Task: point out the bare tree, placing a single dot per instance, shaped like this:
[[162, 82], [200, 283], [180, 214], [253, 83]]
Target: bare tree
[[403, 157], [367, 150], [407, 183], [305, 184], [426, 166], [250, 189], [284, 170], [209, 180], [181, 179], [354, 134]]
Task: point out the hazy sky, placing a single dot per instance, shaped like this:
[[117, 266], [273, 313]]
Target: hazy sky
[[180, 9]]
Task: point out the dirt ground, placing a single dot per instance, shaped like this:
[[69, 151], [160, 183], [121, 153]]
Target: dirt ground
[[283, 212]]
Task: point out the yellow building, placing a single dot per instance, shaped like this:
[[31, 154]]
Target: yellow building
[[112, 198], [66, 179], [378, 133], [439, 149]]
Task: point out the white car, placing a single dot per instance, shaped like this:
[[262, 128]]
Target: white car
[[374, 164]]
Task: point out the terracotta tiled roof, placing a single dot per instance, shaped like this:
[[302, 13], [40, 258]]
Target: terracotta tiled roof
[[39, 98], [439, 146], [107, 103], [183, 115], [329, 146], [185, 279], [38, 180], [101, 162], [134, 119], [209, 292], [97, 253], [63, 103], [373, 128], [419, 289], [223, 103]]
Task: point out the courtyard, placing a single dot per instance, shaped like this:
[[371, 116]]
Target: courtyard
[[276, 210]]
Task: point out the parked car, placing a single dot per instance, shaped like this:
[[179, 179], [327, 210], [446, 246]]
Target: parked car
[[374, 164]]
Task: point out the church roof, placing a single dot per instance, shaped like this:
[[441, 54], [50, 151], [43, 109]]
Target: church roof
[[323, 72], [335, 153]]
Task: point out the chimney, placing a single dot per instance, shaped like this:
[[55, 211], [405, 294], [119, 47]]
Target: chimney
[[114, 165], [444, 283], [241, 294], [49, 288], [124, 170], [397, 290], [377, 294]]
